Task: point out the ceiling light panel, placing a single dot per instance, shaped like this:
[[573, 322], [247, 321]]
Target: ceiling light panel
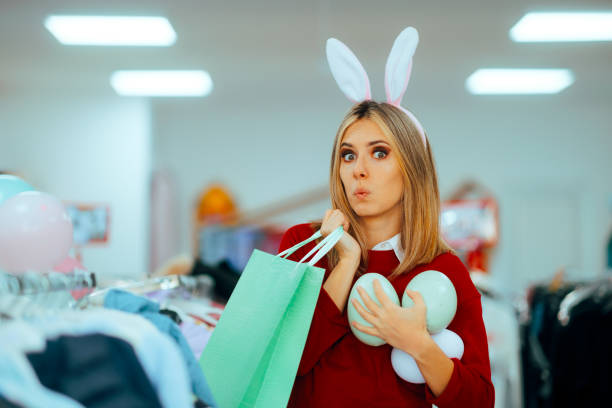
[[162, 83], [111, 30], [563, 26], [506, 81]]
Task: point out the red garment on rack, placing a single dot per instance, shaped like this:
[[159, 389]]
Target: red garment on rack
[[337, 370]]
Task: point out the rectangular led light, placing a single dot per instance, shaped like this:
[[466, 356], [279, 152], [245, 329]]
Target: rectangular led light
[[518, 81], [563, 26], [111, 30], [161, 83]]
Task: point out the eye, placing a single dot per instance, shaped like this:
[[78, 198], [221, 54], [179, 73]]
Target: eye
[[347, 155], [380, 153]]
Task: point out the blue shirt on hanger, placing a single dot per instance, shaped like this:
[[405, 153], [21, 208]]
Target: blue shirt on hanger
[[128, 302]]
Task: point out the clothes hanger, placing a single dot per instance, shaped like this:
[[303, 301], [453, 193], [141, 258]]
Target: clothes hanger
[[579, 294], [33, 293]]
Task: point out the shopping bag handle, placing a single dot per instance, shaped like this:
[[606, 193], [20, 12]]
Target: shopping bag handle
[[323, 247], [289, 251]]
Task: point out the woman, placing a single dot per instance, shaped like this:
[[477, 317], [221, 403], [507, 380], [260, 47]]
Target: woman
[[384, 193]]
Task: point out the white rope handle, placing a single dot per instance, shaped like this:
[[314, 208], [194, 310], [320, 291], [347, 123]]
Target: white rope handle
[[289, 251], [324, 246]]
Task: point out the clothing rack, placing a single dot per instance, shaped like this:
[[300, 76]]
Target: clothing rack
[[194, 284], [34, 293], [579, 294], [565, 351], [31, 283]]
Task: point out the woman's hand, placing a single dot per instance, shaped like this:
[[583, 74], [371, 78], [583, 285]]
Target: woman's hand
[[403, 328], [348, 248]]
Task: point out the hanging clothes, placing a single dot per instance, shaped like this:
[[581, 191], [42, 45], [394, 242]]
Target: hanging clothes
[[158, 354], [582, 354], [566, 363], [96, 370], [18, 381], [128, 302]]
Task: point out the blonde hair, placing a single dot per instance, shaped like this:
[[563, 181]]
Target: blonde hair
[[420, 227]]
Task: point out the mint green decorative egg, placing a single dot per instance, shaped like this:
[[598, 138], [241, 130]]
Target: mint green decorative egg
[[367, 282], [439, 296]]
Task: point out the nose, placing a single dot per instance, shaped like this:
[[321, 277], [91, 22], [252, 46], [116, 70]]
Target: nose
[[360, 170]]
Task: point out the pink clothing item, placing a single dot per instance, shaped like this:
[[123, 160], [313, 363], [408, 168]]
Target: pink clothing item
[[197, 335]]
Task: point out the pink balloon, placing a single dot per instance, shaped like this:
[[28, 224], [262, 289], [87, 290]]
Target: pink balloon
[[35, 232]]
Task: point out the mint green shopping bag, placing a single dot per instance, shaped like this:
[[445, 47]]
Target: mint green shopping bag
[[253, 354]]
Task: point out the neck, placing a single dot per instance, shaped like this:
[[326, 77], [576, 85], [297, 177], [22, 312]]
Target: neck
[[381, 227]]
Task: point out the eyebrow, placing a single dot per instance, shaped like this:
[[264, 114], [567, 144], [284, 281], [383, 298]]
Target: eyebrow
[[369, 144]]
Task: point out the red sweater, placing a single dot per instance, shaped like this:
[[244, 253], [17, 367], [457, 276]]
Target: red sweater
[[337, 370]]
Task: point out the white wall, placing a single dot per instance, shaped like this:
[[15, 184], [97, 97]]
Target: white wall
[[545, 158], [263, 154], [548, 162], [87, 150]]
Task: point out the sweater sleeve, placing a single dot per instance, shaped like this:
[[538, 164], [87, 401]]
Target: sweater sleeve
[[328, 323], [470, 383]]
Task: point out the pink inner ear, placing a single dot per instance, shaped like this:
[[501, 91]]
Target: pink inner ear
[[401, 95], [366, 80]]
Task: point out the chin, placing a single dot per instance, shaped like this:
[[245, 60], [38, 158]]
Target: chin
[[364, 210]]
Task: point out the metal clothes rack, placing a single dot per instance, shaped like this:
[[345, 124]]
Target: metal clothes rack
[[33, 293], [194, 284]]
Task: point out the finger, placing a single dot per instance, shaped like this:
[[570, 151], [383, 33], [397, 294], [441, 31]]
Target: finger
[[342, 219], [368, 317], [416, 297], [327, 215], [381, 295], [366, 329], [324, 224], [367, 301], [346, 225]]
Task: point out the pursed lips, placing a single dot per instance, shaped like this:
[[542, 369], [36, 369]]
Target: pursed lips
[[361, 193]]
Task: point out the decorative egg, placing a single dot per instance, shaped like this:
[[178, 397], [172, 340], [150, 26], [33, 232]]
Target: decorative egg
[[367, 282], [439, 296], [406, 367]]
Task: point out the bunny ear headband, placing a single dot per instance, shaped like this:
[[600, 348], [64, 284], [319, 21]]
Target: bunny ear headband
[[353, 79]]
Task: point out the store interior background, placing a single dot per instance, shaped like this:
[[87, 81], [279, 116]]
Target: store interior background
[[265, 131]]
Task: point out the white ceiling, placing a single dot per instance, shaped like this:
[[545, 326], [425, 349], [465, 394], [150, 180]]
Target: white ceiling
[[256, 50]]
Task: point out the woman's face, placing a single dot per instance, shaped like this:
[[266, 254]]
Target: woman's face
[[370, 171]]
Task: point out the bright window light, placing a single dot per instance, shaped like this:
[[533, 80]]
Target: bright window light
[[518, 81], [161, 83], [111, 30], [563, 26]]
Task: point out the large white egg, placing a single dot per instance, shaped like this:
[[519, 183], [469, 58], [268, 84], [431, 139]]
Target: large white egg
[[406, 367], [439, 296], [367, 282]]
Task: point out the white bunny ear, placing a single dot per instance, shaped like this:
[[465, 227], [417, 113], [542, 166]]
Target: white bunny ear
[[399, 65], [347, 71]]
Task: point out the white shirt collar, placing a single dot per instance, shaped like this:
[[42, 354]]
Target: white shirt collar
[[391, 243]]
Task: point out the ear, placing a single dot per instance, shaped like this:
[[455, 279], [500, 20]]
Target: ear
[[348, 72], [399, 65]]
